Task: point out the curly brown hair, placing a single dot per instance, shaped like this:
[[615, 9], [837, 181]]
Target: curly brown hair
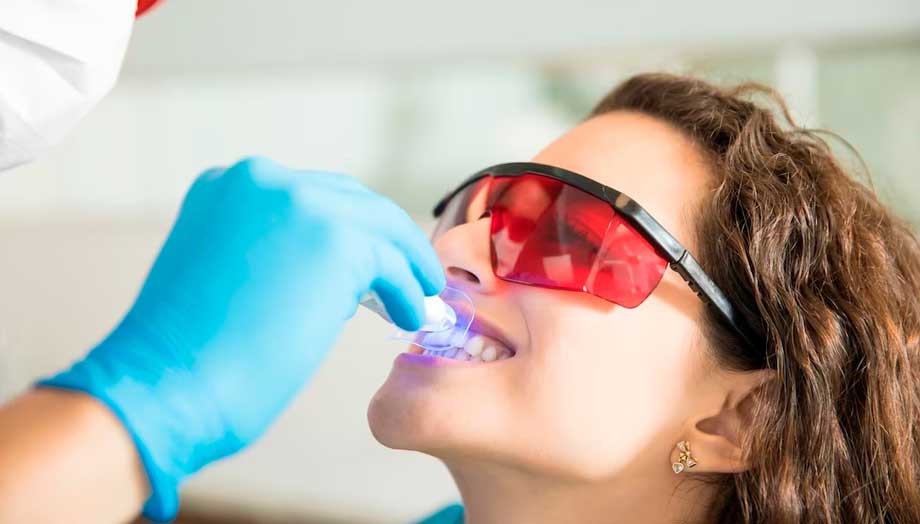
[[829, 278]]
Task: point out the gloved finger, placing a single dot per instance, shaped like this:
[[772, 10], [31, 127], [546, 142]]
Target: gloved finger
[[378, 215], [382, 216], [206, 178], [415, 245], [426, 267], [210, 174], [398, 288], [199, 192]]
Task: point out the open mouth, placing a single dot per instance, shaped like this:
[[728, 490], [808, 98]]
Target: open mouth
[[485, 343], [478, 348]]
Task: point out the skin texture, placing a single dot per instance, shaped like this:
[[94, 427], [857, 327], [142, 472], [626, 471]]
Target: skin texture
[[52, 468], [588, 412]]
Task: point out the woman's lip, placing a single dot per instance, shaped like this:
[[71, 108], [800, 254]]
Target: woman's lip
[[430, 361], [482, 326]]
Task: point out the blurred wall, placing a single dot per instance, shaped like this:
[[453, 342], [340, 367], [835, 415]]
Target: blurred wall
[[409, 97]]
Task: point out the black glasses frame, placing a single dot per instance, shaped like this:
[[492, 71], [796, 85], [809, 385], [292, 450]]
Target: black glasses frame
[[677, 256]]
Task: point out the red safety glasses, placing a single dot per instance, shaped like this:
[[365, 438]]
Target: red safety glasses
[[557, 229]]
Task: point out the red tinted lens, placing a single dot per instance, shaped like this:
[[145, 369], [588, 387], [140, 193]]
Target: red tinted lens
[[550, 234], [627, 268], [545, 232]]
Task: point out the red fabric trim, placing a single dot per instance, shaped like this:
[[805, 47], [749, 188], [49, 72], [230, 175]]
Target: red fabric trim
[[144, 5]]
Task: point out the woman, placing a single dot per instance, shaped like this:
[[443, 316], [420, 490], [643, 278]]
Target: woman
[[784, 390]]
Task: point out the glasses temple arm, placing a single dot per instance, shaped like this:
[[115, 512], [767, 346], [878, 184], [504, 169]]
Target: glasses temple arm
[[689, 269]]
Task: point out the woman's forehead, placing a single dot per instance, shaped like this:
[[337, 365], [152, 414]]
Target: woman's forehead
[[638, 155]]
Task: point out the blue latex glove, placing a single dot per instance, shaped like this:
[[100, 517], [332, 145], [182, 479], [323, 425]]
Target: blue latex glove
[[251, 289]]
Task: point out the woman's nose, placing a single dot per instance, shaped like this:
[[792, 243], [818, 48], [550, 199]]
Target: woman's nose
[[465, 253]]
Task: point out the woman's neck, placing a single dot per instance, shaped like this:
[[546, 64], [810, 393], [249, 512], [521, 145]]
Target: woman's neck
[[494, 493]]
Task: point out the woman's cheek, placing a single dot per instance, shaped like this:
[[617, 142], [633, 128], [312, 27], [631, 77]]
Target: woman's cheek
[[601, 386]]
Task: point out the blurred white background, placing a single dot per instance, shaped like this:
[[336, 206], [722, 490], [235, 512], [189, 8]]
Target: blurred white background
[[409, 97]]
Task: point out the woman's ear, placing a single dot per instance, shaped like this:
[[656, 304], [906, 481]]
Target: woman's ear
[[714, 440]]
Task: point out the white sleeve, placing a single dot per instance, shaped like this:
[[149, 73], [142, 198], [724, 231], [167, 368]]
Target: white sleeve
[[58, 58]]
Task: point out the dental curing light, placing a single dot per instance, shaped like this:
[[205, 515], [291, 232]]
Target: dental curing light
[[448, 317]]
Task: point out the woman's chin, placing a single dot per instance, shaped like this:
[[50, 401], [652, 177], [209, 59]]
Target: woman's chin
[[435, 405], [401, 417]]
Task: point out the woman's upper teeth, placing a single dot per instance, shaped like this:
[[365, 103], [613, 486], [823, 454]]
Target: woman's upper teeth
[[478, 348], [487, 349]]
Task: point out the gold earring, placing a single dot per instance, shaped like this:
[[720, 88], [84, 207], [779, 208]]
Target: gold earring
[[685, 460]]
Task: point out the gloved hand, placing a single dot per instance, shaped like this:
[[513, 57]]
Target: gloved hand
[[256, 280]]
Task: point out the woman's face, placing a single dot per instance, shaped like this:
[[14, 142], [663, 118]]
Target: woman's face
[[592, 387]]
